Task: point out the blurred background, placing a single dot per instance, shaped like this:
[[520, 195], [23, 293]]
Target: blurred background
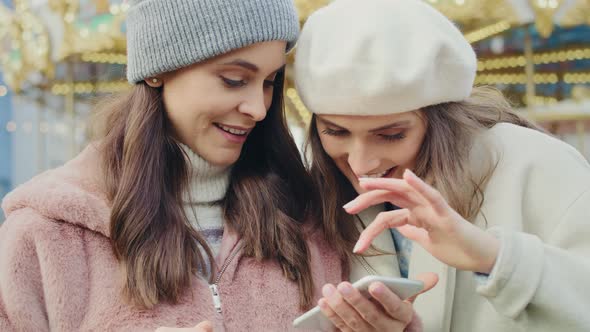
[[58, 57]]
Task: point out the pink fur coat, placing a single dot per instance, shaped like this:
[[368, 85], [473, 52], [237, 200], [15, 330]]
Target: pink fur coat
[[58, 272]]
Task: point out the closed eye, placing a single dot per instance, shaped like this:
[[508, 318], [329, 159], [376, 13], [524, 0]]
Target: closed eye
[[395, 137], [333, 132], [233, 83]]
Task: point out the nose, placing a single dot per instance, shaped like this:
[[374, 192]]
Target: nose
[[360, 160], [254, 105]]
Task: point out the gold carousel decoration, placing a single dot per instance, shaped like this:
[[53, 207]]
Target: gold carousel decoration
[[92, 30], [484, 19], [38, 36], [24, 45]]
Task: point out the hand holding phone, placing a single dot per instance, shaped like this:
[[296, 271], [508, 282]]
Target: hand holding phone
[[404, 288]]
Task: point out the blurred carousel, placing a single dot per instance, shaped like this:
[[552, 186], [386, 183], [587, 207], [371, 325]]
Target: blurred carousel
[[58, 56]]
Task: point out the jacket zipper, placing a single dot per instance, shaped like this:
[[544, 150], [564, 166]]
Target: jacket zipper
[[214, 287]]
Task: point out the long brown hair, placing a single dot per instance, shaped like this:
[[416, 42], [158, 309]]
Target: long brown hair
[[146, 173], [442, 160]]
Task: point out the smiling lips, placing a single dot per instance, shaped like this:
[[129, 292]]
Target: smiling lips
[[232, 130], [233, 133], [379, 175], [238, 134]]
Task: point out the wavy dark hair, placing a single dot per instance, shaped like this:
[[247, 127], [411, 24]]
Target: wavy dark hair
[[268, 201]]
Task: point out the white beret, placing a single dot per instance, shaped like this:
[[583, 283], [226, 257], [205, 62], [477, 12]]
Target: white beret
[[375, 57]]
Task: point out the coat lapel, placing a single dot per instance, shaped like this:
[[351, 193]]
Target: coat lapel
[[383, 265], [434, 306]]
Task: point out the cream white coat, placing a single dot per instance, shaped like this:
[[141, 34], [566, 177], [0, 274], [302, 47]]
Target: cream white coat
[[537, 202]]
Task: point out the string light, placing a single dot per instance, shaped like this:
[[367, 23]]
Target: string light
[[511, 79], [69, 17], [291, 93], [553, 4], [115, 9], [540, 100], [125, 7], [576, 78], [113, 58], [60, 128], [89, 87], [538, 59], [487, 31], [11, 126], [302, 111], [498, 63], [84, 33]]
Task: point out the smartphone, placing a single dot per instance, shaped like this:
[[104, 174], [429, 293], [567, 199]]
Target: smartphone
[[404, 288]]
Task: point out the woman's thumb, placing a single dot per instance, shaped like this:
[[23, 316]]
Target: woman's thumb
[[429, 279]]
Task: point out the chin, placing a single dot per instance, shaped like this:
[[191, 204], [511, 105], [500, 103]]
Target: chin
[[224, 161]]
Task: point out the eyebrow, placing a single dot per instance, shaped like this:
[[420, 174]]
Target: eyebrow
[[388, 126], [244, 64], [398, 124], [248, 65]]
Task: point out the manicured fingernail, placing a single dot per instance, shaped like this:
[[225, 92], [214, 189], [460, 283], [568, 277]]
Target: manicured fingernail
[[357, 247], [328, 290], [345, 289], [363, 182], [348, 205], [412, 174]]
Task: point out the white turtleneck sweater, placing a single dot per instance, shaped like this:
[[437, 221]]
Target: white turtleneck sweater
[[208, 186]]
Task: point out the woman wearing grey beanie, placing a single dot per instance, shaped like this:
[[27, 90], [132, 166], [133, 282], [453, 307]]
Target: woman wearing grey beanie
[[471, 191], [192, 206]]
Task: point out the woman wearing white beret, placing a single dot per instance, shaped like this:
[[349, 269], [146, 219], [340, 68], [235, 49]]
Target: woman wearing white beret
[[460, 185]]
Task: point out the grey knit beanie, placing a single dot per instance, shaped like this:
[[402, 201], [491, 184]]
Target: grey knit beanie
[[164, 35]]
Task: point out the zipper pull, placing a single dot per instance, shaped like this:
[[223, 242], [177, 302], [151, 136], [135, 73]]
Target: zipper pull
[[216, 298]]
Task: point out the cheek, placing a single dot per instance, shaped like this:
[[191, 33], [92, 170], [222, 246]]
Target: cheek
[[179, 102], [193, 109], [405, 154], [337, 151], [176, 114], [182, 116], [332, 147], [189, 96], [410, 151]]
